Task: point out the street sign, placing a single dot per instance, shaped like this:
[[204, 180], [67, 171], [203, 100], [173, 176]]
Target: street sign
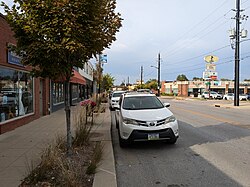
[[103, 58]]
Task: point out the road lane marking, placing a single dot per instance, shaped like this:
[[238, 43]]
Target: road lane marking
[[208, 116]]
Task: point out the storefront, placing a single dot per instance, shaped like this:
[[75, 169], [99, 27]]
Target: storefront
[[16, 94], [77, 84], [22, 97]]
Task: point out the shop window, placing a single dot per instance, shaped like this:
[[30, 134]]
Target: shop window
[[58, 93], [75, 92], [16, 94]]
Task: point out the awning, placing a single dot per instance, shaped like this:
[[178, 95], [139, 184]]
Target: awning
[[77, 78]]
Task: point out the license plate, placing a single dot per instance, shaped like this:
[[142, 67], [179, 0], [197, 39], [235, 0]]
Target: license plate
[[154, 136]]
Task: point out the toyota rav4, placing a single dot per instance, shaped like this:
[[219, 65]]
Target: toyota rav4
[[143, 117]]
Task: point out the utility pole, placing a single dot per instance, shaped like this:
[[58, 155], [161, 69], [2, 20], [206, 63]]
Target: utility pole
[[141, 75], [235, 35], [159, 72], [237, 55]]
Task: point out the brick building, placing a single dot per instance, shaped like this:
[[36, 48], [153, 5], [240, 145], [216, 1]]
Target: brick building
[[22, 97], [187, 88]]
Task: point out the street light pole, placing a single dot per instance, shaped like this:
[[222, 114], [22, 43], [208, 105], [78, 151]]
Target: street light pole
[[159, 72]]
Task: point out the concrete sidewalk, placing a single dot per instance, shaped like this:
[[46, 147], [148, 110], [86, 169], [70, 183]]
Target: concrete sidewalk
[[22, 147]]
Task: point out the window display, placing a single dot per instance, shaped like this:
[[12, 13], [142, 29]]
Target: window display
[[16, 94], [58, 93], [74, 91]]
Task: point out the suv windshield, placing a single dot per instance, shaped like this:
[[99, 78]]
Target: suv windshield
[[141, 102]]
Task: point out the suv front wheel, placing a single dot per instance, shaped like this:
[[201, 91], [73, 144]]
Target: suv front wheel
[[123, 143], [172, 140]]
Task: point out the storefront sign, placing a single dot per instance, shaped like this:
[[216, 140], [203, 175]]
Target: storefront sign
[[210, 67], [209, 75], [13, 58], [103, 58]]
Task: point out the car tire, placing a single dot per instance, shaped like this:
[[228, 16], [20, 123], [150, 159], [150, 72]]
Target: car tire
[[172, 140], [123, 143]]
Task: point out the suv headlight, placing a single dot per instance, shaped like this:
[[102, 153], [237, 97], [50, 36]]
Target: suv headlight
[[130, 121], [170, 119]]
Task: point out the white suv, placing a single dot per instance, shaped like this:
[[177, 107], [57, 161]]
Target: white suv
[[115, 99], [143, 117]]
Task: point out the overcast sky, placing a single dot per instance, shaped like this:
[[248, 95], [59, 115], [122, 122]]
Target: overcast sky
[[183, 32]]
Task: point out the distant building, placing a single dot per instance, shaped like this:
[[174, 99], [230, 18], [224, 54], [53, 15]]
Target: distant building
[[187, 88]]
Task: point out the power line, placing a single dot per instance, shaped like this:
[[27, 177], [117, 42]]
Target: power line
[[243, 58], [217, 63], [244, 2], [202, 55], [197, 39], [185, 34]]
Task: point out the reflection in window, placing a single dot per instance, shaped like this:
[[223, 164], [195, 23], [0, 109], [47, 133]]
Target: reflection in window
[[58, 93], [75, 92], [16, 94]]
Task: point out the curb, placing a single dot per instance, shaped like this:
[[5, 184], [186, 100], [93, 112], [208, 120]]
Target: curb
[[106, 173]]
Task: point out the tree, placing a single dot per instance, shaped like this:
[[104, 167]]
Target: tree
[[98, 75], [107, 81], [246, 79], [151, 84], [57, 35], [182, 77], [197, 79]]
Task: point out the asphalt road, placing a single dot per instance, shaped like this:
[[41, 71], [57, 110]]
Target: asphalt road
[[213, 150]]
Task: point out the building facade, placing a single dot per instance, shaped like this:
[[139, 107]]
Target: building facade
[[87, 72], [195, 88], [24, 98]]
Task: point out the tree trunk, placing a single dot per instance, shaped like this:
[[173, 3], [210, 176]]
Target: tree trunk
[[68, 122]]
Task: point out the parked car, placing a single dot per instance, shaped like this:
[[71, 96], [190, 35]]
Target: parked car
[[243, 97], [211, 95], [145, 90], [115, 99], [143, 117], [228, 96], [248, 96]]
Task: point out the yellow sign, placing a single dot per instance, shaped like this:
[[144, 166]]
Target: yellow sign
[[211, 58]]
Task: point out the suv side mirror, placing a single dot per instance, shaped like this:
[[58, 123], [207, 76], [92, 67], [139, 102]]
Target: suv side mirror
[[166, 104]]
